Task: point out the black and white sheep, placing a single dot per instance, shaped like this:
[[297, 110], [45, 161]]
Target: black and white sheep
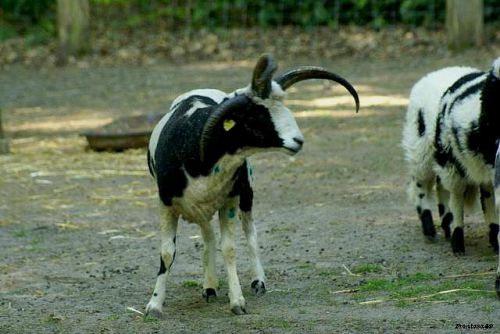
[[450, 137], [198, 156]]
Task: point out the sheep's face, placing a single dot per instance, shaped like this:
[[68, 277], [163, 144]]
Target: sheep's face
[[263, 124], [283, 122]]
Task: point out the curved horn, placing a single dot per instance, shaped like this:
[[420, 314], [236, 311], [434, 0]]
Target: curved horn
[[310, 72], [214, 119], [263, 75]]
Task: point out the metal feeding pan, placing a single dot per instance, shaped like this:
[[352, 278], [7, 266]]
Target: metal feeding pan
[[123, 133]]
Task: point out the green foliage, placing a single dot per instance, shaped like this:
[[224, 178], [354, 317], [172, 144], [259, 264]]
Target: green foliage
[[21, 16], [422, 12], [26, 11], [7, 31], [33, 19]]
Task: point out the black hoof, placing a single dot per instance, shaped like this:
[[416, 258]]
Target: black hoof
[[497, 286], [238, 310], [494, 236], [457, 241], [427, 224], [209, 294], [445, 225], [258, 287]]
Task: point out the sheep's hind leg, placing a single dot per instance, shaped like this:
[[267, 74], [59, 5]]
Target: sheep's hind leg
[[444, 211], [168, 230], [423, 197], [457, 226], [490, 213], [228, 219], [210, 283]]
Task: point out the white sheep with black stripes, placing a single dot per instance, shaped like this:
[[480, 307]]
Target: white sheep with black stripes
[[451, 136], [198, 156]]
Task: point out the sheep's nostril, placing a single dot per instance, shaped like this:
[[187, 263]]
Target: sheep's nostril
[[299, 141]]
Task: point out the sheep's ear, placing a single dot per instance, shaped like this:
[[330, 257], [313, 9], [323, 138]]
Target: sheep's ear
[[263, 75], [221, 117]]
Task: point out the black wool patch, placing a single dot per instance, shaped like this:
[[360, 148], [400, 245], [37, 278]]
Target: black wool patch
[[445, 224], [441, 209], [466, 94], [493, 236], [457, 241], [163, 269], [462, 81], [484, 141], [243, 188], [427, 223], [421, 123], [444, 155], [150, 164]]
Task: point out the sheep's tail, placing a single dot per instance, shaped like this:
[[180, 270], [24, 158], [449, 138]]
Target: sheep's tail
[[471, 196]]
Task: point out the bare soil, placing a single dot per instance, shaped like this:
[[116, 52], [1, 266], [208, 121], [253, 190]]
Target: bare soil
[[341, 245]]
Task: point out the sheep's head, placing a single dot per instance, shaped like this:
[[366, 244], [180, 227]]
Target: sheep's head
[[255, 117]]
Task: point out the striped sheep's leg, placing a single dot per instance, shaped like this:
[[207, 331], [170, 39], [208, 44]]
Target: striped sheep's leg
[[228, 220], [443, 196], [497, 205], [423, 197], [490, 213], [168, 230], [259, 282], [457, 225], [246, 200], [210, 283]]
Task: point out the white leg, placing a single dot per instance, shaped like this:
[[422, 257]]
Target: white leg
[[168, 230], [210, 283], [228, 219], [258, 284], [445, 215], [490, 213], [457, 226], [421, 191]]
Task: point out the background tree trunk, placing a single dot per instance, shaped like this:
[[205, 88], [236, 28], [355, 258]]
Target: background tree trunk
[[73, 18], [464, 23]]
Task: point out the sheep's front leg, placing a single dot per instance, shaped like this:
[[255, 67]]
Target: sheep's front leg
[[259, 282], [443, 196], [457, 226], [228, 219], [490, 213], [168, 230], [210, 283]]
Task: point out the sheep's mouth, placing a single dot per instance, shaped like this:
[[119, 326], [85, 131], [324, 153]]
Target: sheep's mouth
[[292, 150]]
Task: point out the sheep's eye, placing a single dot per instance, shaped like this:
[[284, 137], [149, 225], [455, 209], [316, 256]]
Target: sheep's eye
[[228, 124]]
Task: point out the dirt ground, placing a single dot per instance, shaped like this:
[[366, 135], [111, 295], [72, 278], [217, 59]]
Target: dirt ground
[[341, 245]]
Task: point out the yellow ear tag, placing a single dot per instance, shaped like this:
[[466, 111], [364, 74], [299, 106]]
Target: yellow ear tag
[[229, 124]]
